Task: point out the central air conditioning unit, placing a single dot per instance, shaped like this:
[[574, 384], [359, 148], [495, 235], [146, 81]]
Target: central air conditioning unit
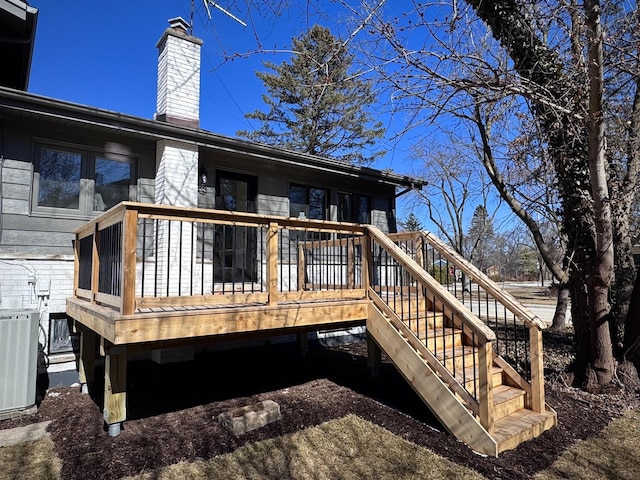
[[18, 360]]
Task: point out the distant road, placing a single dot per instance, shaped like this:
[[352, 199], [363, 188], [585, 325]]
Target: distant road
[[544, 311]]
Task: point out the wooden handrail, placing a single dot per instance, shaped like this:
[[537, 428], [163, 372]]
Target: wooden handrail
[[503, 297], [476, 325], [150, 210], [535, 393]]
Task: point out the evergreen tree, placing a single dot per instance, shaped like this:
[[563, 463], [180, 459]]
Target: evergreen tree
[[411, 223], [481, 236], [315, 106]]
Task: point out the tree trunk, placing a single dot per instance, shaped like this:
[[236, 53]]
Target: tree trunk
[[599, 280], [560, 316], [632, 328], [582, 338], [625, 275]]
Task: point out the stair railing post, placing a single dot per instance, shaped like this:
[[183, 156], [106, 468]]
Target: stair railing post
[[485, 385], [537, 369]]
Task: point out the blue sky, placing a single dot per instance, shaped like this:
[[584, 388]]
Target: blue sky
[[104, 54]]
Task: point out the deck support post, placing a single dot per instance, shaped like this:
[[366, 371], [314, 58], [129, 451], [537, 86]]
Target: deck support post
[[374, 356], [115, 389], [303, 342], [86, 360]]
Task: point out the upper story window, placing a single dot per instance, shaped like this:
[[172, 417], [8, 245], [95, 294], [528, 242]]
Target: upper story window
[[308, 201], [80, 182], [354, 208]]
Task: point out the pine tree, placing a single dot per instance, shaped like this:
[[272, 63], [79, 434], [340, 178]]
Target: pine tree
[[480, 237], [411, 223], [315, 106]]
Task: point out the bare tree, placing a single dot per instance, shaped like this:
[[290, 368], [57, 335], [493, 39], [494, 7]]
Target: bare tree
[[551, 57]]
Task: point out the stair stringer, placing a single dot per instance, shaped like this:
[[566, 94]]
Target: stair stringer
[[443, 403]]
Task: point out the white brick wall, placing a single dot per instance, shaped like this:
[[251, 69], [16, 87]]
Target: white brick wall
[[177, 174], [16, 291]]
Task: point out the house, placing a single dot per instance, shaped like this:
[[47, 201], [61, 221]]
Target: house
[[62, 164], [156, 236]]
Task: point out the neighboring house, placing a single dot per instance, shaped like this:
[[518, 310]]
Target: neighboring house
[[62, 164]]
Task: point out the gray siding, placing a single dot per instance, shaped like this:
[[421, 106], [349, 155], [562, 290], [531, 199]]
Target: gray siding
[[25, 232], [16, 187]]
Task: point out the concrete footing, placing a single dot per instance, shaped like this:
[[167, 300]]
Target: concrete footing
[[114, 429]]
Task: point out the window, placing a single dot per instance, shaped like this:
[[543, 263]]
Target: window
[[354, 208], [77, 181], [60, 338], [308, 202]]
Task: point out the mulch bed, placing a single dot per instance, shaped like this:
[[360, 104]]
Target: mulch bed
[[173, 409]]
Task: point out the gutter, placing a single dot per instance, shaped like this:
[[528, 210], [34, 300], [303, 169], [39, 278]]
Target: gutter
[[27, 103]]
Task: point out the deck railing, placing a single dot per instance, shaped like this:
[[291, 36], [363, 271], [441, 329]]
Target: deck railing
[[434, 325], [518, 331], [142, 256]]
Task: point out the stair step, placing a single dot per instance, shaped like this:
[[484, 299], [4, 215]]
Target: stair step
[[468, 374], [435, 337], [507, 400], [439, 338], [458, 357], [424, 317], [520, 426]]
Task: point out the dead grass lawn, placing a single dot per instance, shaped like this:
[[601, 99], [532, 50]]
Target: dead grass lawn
[[347, 448], [35, 460], [615, 453], [352, 448]]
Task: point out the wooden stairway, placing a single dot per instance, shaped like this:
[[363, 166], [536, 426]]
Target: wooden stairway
[[477, 397]]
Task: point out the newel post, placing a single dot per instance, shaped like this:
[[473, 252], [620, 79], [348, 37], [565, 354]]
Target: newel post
[[272, 263], [129, 245], [537, 369], [485, 390], [302, 261]]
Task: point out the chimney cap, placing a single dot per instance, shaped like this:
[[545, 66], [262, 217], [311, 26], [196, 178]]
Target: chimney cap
[[179, 23]]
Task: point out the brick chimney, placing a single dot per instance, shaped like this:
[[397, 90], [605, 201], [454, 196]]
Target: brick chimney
[[178, 101], [176, 181], [178, 98]]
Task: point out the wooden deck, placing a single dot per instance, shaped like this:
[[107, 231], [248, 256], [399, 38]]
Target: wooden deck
[[149, 277], [161, 324]]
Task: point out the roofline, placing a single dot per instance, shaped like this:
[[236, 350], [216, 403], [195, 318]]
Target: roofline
[[24, 102]]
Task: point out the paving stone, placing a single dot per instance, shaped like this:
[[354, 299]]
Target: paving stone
[[250, 417]]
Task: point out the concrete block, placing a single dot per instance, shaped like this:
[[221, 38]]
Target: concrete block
[[250, 417]]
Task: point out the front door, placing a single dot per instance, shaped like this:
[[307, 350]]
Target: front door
[[236, 246]]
